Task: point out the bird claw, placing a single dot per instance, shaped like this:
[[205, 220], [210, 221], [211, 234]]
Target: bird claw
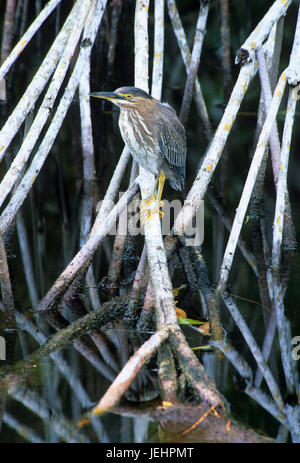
[[148, 209]]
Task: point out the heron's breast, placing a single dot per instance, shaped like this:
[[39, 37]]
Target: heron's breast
[[139, 139]]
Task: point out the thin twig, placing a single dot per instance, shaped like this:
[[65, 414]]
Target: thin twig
[[186, 56], [46, 107], [24, 431], [214, 152], [37, 84], [285, 342], [43, 151], [89, 177], [256, 352], [249, 184], [23, 42], [245, 371], [194, 64], [247, 51]]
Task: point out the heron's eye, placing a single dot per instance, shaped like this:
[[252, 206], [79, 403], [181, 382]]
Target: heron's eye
[[128, 96]]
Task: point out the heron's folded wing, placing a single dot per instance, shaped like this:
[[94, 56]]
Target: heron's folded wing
[[172, 139]]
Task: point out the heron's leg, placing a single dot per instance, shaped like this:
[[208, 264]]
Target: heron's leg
[[146, 211], [157, 191], [161, 183]]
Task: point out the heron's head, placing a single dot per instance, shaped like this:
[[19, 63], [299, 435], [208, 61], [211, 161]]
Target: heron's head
[[126, 97]]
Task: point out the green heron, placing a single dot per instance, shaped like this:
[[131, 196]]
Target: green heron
[[153, 133]]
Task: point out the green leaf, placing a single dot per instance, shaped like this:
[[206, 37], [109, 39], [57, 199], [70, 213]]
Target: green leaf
[[189, 321]]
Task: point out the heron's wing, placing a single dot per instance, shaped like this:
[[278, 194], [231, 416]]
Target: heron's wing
[[171, 137]]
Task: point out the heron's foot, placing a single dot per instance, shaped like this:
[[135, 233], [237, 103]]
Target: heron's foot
[[149, 200], [149, 207]]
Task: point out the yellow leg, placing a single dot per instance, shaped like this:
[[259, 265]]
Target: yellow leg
[[161, 183], [146, 212]]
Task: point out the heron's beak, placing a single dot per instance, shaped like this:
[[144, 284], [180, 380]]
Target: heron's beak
[[107, 95]]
